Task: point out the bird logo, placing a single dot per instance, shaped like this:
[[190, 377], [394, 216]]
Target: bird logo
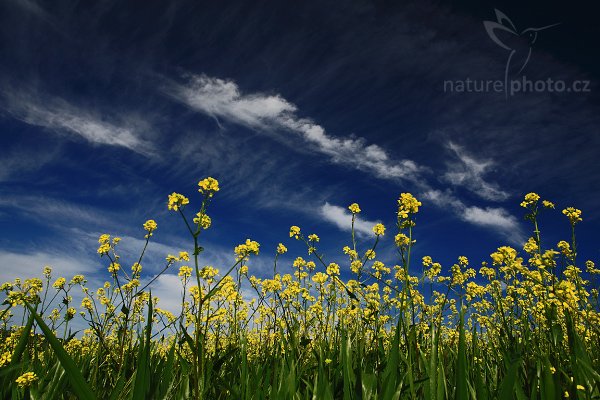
[[505, 34]]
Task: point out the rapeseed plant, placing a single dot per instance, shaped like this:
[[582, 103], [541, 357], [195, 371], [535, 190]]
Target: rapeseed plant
[[524, 325]]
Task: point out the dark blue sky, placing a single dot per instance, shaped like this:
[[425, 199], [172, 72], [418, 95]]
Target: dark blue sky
[[299, 109]]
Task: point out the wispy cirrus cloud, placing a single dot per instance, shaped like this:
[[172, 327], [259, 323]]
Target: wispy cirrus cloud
[[30, 265], [493, 217], [496, 218], [59, 115], [221, 98], [56, 210], [469, 172]]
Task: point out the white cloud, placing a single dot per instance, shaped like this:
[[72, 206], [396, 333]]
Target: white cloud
[[469, 172], [168, 288], [498, 219], [22, 265], [57, 114], [55, 210], [19, 162], [222, 99], [495, 217], [342, 218]]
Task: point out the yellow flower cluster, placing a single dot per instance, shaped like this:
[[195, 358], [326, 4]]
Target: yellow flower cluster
[[26, 379], [531, 199], [59, 283], [379, 229], [208, 186], [407, 204], [244, 250], [202, 220], [573, 214], [150, 225], [104, 247], [281, 249], [177, 201], [295, 232], [354, 208], [185, 272]]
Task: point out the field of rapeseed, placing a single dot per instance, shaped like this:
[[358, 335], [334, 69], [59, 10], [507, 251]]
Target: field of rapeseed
[[525, 325]]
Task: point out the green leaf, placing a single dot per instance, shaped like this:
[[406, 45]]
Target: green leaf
[[507, 387], [142, 373], [23, 339], [462, 391], [80, 385]]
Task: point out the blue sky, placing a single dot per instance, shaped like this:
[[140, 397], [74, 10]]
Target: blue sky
[[298, 110]]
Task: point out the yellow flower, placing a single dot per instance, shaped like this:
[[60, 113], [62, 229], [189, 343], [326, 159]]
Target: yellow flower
[[573, 214], [177, 201], [548, 204], [114, 267], [402, 240], [86, 303], [531, 246], [136, 268], [354, 208], [185, 272], [355, 266], [333, 269], [59, 283], [203, 220], [71, 313], [531, 199], [281, 249], [320, 278], [208, 272], [208, 186], [379, 229], [295, 232], [313, 238], [245, 249], [407, 204], [103, 248], [5, 358], [580, 387], [26, 379], [150, 225]]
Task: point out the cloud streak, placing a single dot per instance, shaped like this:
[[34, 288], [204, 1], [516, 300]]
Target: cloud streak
[[489, 217], [469, 172], [223, 99], [59, 115]]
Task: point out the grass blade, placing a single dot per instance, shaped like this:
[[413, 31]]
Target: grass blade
[[80, 386]]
